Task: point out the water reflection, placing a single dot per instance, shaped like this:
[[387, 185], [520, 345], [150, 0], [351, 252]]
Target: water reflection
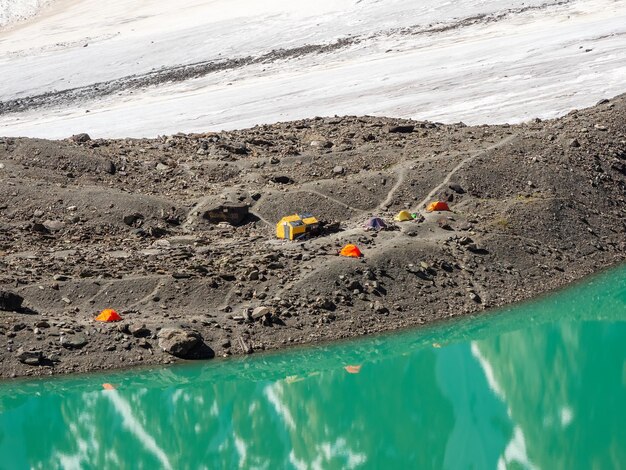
[[541, 386]]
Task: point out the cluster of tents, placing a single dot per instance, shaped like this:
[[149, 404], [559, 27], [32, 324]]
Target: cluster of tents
[[376, 223]]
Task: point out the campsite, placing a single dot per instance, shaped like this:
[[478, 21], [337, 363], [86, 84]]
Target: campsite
[[231, 243]]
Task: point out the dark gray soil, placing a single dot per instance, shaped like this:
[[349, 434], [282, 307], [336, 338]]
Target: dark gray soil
[[93, 224]]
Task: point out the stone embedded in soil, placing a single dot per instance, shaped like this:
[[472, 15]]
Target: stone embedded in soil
[[178, 342], [10, 301]]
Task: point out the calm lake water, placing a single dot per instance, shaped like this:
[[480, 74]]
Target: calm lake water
[[542, 385]]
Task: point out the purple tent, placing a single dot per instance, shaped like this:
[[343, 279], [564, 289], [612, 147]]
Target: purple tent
[[376, 223]]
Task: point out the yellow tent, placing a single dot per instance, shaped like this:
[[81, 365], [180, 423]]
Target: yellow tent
[[403, 216], [296, 226]]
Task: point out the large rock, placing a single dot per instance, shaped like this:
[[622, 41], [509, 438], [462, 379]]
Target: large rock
[[179, 342], [9, 301], [80, 138], [75, 341], [405, 129], [232, 212], [30, 357], [54, 225]]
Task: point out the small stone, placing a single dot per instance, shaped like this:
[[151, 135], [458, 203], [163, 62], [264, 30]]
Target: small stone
[[574, 143], [338, 170]]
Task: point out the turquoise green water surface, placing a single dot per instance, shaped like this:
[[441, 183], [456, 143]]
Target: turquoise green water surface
[[541, 385]]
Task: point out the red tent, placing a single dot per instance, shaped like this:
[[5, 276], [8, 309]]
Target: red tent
[[438, 206], [108, 315], [351, 251]]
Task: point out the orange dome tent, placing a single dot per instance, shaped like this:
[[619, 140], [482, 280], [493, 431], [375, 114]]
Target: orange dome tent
[[438, 206], [351, 251], [108, 315]]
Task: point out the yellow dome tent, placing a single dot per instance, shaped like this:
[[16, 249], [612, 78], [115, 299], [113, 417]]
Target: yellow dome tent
[[403, 216]]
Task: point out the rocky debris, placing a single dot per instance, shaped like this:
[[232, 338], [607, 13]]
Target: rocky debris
[[10, 301], [179, 342], [245, 346]]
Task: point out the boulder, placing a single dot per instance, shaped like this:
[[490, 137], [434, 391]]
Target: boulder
[[139, 330], [80, 138], [457, 188], [281, 179], [260, 312], [10, 301], [232, 212], [401, 129], [132, 219], [30, 357], [179, 342], [53, 225], [75, 341]]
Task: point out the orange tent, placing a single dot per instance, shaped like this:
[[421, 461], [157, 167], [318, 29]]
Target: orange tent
[[351, 251], [438, 206], [108, 315]]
